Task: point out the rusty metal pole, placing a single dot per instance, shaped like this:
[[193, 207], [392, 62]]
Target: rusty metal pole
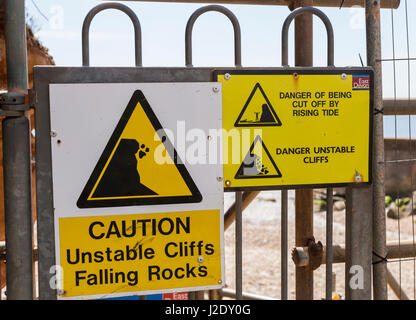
[[303, 197], [372, 13]]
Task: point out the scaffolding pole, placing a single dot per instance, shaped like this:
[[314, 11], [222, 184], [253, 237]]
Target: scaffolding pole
[[16, 158], [373, 36]]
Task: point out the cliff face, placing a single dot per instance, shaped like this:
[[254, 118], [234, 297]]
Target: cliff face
[[37, 54]]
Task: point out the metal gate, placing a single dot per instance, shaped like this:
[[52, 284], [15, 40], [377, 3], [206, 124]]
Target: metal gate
[[362, 248]]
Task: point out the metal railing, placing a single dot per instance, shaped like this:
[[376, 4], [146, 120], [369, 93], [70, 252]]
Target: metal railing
[[86, 31]]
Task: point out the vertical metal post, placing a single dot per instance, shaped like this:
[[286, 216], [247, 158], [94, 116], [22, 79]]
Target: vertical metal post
[[372, 13], [304, 36], [358, 244], [329, 248], [15, 34], [304, 198], [239, 246], [16, 160], [283, 244]]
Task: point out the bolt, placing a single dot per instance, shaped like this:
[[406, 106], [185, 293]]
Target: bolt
[[343, 76], [357, 177], [53, 134], [220, 281], [227, 183], [219, 179], [295, 75], [216, 89], [200, 259], [227, 76], [61, 292]]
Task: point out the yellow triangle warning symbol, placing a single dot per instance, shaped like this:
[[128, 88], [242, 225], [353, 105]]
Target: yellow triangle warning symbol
[[257, 111], [258, 163], [129, 172]]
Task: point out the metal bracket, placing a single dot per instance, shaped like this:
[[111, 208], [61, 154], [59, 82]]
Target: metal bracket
[[12, 104]]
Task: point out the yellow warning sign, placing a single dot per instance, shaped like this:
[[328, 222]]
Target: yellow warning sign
[[310, 127], [134, 253], [139, 165]]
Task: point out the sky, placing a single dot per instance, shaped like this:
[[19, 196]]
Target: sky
[[58, 24]]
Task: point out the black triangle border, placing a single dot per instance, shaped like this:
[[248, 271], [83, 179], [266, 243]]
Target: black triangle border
[[195, 196], [277, 124], [279, 175]]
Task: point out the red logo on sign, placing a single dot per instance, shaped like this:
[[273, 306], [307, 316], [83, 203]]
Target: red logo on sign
[[176, 296], [360, 82]]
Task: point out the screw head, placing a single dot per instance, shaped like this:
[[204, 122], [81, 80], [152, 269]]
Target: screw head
[[219, 179], [343, 76], [53, 134], [227, 76], [216, 89], [295, 75], [220, 281], [227, 183], [200, 259]]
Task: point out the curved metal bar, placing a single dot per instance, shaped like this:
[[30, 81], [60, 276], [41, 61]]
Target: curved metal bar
[[328, 26], [190, 25], [86, 31]]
